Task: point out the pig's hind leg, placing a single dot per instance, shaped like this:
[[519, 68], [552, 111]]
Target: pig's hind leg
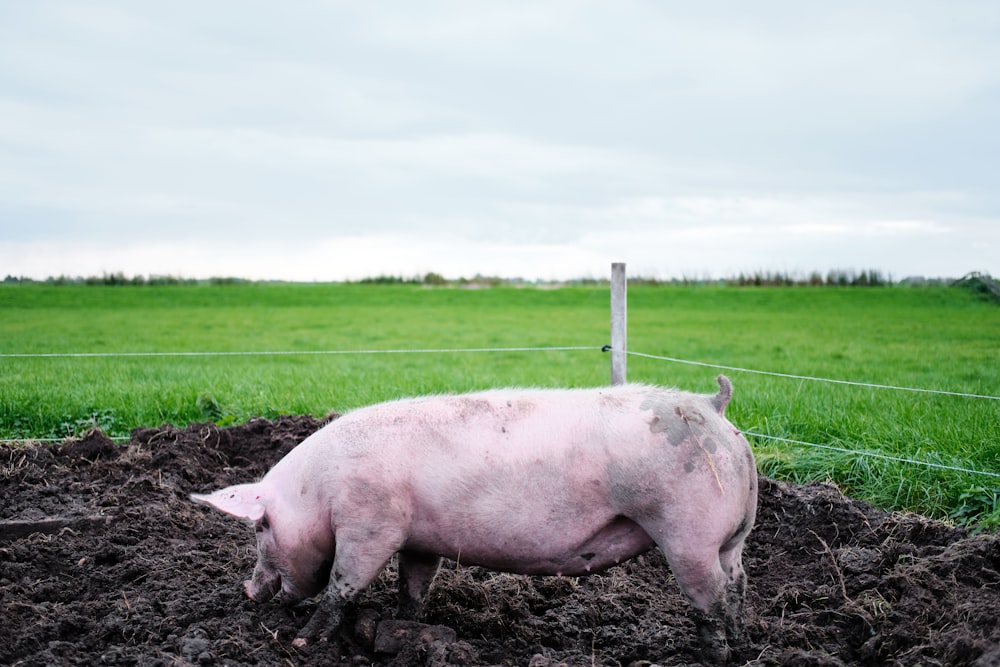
[[359, 559], [731, 559], [416, 573], [716, 599], [703, 582]]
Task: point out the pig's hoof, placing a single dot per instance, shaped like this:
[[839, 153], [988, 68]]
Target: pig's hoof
[[300, 642]]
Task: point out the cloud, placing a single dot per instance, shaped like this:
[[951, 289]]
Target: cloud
[[871, 228], [690, 137]]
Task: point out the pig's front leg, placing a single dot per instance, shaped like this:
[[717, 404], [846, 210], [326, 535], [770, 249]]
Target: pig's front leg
[[416, 572], [325, 619], [360, 557]]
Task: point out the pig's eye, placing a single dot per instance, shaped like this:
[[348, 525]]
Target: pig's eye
[[263, 524]]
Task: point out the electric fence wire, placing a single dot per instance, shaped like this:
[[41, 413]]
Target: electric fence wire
[[564, 348]]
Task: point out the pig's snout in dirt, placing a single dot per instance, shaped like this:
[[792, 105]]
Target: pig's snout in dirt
[[524, 481], [260, 589], [252, 593]]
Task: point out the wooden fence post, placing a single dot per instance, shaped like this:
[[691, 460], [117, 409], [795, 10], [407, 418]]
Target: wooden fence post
[[618, 322]]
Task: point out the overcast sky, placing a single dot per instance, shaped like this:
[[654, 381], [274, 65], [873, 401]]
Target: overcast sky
[[333, 140]]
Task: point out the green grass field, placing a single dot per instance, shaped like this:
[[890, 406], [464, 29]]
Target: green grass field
[[934, 338]]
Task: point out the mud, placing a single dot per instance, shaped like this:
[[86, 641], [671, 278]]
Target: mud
[[104, 560]]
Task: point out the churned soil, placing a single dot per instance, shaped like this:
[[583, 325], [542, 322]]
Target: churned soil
[[105, 560]]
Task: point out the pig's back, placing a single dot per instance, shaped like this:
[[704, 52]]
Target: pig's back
[[500, 424]]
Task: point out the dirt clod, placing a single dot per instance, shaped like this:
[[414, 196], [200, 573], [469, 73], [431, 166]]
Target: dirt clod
[[832, 581], [392, 635]]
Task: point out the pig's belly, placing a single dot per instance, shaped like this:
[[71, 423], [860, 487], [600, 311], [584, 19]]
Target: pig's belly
[[554, 550]]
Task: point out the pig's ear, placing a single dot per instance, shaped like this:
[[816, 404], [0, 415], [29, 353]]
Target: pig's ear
[[243, 500]]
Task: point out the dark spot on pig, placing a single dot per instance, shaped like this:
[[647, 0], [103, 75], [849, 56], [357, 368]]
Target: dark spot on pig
[[695, 456], [675, 430], [588, 556], [689, 415], [665, 419], [710, 445]]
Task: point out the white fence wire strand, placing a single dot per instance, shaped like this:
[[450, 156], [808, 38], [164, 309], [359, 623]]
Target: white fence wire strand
[[264, 353], [562, 348], [843, 450], [812, 379]]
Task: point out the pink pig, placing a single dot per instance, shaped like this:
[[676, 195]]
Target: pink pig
[[559, 482]]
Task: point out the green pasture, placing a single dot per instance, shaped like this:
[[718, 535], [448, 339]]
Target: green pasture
[[932, 338]]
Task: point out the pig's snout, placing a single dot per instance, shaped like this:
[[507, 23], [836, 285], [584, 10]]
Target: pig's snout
[[262, 587], [251, 591]]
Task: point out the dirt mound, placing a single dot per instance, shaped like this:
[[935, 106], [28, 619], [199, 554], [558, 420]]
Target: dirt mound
[[104, 560]]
